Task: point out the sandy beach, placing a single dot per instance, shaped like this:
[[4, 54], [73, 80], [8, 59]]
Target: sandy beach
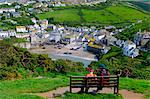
[[49, 49], [76, 55]]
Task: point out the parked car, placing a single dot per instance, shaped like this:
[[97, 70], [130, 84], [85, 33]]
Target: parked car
[[67, 53]]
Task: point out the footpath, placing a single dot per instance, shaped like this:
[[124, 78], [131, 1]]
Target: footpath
[[60, 91]]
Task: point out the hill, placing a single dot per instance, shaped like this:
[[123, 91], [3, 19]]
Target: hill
[[95, 15]]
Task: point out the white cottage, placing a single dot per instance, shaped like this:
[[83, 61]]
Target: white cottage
[[7, 34], [21, 29], [130, 49]]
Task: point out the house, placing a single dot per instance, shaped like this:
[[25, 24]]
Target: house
[[141, 39], [21, 29], [105, 50], [16, 14], [22, 35], [68, 39], [36, 26], [38, 5], [7, 15], [98, 35], [30, 28], [111, 40], [55, 36], [110, 27], [2, 10], [17, 7], [120, 43], [31, 9], [4, 2], [7, 34], [4, 34], [44, 24], [34, 20], [31, 2], [94, 48], [84, 40], [130, 49], [146, 47]]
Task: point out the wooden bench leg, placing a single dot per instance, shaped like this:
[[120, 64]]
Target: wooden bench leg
[[70, 89], [70, 85], [116, 90]]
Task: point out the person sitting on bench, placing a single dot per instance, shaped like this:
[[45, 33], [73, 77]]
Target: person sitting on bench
[[102, 72], [91, 74]]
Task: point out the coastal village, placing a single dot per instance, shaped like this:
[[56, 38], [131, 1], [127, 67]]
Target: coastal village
[[90, 39], [74, 49]]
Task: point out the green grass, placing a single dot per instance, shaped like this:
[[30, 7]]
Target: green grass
[[4, 95], [62, 15], [139, 86], [109, 15], [89, 96], [17, 89], [21, 89]]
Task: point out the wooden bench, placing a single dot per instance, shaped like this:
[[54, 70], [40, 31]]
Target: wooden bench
[[95, 82]]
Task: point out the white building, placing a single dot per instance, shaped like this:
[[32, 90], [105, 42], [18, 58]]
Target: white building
[[55, 36], [130, 49], [33, 20], [22, 35], [44, 24], [7, 10], [21, 29], [4, 2], [7, 34]]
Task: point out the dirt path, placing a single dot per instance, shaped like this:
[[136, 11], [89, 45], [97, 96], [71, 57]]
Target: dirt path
[[125, 93]]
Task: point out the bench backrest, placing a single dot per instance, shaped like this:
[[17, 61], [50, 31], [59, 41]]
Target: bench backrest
[[104, 81]]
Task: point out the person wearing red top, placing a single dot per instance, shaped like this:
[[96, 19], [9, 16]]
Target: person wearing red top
[[91, 74]]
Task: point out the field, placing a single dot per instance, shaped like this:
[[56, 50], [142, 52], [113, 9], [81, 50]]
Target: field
[[109, 15], [62, 15], [22, 89]]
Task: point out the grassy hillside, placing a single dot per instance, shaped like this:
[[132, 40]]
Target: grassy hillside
[[115, 14], [130, 32]]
